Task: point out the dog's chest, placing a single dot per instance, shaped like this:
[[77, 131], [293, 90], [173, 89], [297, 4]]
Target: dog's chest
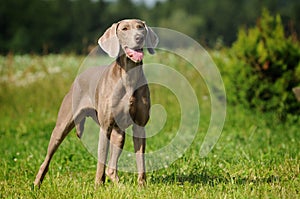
[[127, 99], [131, 109]]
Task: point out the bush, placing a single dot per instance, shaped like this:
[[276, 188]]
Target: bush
[[262, 68]]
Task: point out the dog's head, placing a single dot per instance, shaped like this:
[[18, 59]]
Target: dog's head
[[128, 37]]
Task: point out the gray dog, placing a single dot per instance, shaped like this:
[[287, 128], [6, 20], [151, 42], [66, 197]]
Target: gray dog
[[115, 96]]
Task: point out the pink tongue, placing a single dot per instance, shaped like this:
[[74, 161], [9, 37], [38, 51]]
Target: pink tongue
[[135, 55]]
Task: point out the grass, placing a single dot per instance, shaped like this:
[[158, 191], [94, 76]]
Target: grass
[[256, 156]]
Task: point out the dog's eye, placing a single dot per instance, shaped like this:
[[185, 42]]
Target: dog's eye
[[140, 27], [124, 28]]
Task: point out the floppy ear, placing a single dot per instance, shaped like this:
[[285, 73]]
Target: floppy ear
[[109, 41], [151, 40]]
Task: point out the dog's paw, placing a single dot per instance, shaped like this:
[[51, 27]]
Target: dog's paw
[[112, 175]]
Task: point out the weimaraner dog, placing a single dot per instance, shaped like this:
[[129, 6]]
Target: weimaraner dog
[[115, 96]]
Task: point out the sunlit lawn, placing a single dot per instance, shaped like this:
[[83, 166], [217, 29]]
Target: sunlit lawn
[[256, 156]]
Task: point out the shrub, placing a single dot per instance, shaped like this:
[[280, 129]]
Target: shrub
[[263, 67]]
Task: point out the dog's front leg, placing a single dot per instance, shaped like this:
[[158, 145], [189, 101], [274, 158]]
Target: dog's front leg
[[139, 140], [117, 140], [103, 144]]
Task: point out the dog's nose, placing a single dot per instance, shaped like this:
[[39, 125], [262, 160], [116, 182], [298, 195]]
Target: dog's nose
[[139, 38]]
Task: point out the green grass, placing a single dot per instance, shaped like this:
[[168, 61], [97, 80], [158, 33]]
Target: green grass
[[256, 156]]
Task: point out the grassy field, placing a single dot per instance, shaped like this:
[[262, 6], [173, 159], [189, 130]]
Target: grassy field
[[256, 156]]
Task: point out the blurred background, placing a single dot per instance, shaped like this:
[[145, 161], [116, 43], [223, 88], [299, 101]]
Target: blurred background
[[56, 26], [255, 45]]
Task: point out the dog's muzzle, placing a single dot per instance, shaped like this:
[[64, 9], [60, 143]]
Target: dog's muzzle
[[135, 55]]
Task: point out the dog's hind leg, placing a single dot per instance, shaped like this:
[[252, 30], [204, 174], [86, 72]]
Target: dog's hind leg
[[80, 128], [64, 125], [104, 136]]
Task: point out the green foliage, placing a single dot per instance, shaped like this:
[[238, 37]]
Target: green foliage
[[177, 21], [263, 67], [52, 26]]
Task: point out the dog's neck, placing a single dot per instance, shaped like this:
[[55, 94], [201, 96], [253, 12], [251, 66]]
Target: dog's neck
[[126, 63], [130, 73]]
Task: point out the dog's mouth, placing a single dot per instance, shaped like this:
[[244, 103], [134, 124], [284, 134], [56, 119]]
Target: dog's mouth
[[135, 55]]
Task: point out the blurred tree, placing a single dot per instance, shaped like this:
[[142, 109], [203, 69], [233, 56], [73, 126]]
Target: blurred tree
[[122, 9], [45, 26], [178, 21]]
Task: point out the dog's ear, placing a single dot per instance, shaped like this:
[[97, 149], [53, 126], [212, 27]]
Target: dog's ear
[[109, 41], [151, 40]]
